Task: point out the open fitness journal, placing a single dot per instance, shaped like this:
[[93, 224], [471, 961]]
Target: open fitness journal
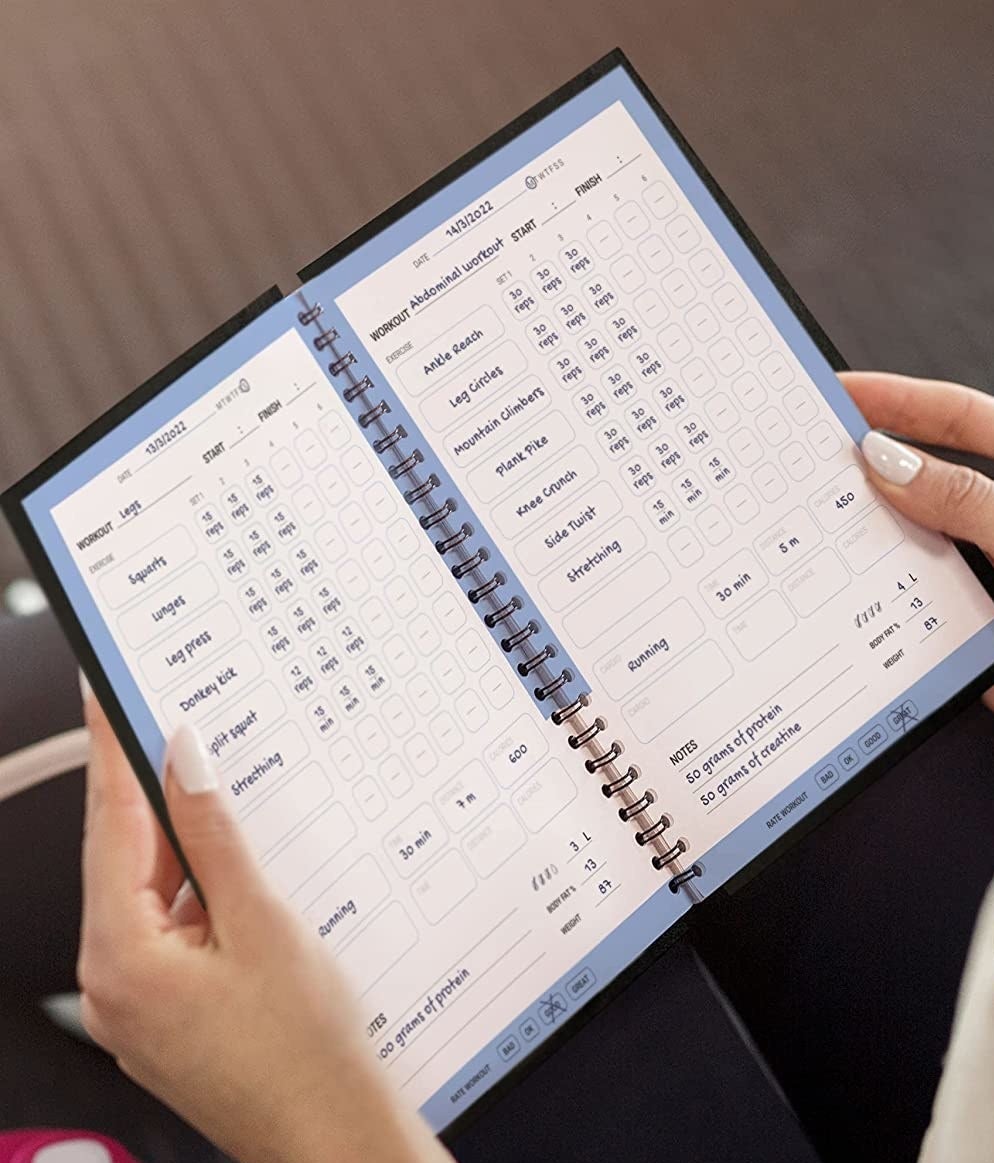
[[520, 572]]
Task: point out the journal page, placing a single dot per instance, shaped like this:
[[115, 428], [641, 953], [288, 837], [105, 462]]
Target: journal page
[[667, 460], [253, 569]]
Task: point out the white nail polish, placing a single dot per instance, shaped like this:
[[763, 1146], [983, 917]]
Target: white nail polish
[[190, 762], [895, 462], [85, 692], [182, 898]]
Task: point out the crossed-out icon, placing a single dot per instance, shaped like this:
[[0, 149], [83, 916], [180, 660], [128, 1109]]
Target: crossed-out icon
[[552, 1007], [902, 718]]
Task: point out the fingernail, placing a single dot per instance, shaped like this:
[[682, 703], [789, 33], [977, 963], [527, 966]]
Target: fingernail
[[895, 462], [182, 898], [84, 688], [190, 762]]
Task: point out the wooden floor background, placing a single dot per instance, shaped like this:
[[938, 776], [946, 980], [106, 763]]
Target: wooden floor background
[[162, 161]]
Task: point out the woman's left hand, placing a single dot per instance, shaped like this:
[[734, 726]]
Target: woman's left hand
[[236, 1017]]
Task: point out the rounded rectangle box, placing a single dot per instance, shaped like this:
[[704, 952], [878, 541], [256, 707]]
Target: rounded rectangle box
[[171, 604], [418, 839], [213, 685], [517, 460], [344, 906], [266, 764], [190, 646], [825, 777], [516, 752], [494, 841], [591, 563], [555, 535], [292, 801], [788, 540], [568, 477], [241, 723], [471, 440], [146, 568], [452, 350], [291, 867], [603, 611], [762, 624], [482, 382], [733, 583], [815, 583], [677, 691], [378, 947], [444, 886], [662, 637], [464, 796], [838, 502], [544, 795], [872, 537]]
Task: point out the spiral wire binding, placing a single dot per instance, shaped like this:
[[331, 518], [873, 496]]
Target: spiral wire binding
[[533, 661]]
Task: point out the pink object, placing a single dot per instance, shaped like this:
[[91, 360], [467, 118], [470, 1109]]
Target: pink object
[[43, 1146]]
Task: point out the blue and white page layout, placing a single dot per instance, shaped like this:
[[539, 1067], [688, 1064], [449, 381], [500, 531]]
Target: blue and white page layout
[[241, 558], [670, 466]]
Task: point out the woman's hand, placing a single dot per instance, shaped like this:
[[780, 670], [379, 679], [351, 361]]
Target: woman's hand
[[951, 498], [236, 1018]]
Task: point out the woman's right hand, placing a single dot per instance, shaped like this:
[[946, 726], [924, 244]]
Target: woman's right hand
[[960, 502], [951, 498], [235, 1017]]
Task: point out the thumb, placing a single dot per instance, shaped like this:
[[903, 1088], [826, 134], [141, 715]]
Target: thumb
[[219, 857], [951, 498]]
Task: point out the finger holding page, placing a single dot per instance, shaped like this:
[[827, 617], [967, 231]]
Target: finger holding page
[[152, 972], [130, 873], [932, 411], [225, 868], [952, 498]]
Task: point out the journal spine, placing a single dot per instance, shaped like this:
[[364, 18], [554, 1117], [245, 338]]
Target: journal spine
[[457, 542]]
